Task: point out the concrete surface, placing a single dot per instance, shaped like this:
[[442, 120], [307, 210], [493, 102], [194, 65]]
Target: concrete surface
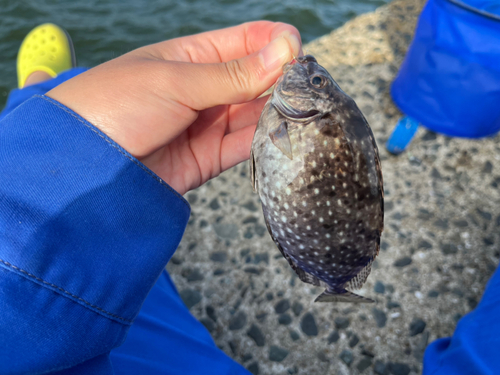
[[439, 247]]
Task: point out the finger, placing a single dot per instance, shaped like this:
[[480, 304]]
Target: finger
[[241, 115], [235, 147], [226, 44], [201, 86]]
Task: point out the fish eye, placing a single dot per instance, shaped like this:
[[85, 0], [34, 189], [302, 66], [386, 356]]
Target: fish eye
[[318, 81]]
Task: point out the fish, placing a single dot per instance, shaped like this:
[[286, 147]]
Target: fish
[[315, 164]]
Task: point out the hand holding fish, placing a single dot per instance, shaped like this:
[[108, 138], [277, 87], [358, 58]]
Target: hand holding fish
[[186, 107]]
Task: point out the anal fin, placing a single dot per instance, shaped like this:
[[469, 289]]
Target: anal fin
[[346, 296], [357, 281]]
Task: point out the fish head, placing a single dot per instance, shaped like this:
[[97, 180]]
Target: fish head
[[305, 91]]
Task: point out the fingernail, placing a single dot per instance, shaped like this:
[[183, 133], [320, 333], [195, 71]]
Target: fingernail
[[294, 43], [276, 53]]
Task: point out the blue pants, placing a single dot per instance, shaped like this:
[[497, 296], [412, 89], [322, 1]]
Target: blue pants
[[165, 338]]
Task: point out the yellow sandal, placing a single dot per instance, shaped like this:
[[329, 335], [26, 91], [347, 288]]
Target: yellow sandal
[[47, 48]]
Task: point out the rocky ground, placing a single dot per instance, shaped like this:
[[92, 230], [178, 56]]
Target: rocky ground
[[439, 247]]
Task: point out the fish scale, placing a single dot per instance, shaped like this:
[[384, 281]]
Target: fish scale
[[316, 168]]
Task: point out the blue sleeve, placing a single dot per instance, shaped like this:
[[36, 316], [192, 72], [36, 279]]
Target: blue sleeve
[[85, 231]]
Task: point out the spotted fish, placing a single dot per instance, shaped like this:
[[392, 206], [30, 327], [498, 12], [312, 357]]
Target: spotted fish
[[315, 165]]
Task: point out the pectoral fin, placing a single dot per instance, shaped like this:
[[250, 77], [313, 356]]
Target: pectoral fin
[[279, 137]]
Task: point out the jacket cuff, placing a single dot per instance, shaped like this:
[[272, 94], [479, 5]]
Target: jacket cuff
[[80, 215]]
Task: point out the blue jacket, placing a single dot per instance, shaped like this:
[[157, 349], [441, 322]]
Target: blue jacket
[[85, 232]]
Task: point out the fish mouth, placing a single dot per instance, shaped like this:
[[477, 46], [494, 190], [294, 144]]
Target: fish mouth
[[292, 113], [302, 60], [282, 106]]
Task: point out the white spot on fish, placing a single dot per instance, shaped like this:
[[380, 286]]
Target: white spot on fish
[[283, 219], [321, 220], [288, 191], [339, 202], [304, 203], [316, 191]]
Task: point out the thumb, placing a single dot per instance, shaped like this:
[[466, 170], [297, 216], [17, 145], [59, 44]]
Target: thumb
[[239, 80]]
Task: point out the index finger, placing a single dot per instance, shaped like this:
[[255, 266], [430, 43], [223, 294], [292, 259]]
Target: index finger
[[225, 44]]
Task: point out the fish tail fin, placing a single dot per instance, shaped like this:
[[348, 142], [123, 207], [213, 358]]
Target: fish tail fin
[[342, 296]]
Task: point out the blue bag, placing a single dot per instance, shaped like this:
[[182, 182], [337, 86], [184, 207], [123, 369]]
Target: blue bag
[[450, 78]]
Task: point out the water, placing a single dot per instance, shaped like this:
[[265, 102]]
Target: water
[[104, 29]]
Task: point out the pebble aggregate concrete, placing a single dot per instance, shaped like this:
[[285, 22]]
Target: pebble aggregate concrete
[[439, 247]]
